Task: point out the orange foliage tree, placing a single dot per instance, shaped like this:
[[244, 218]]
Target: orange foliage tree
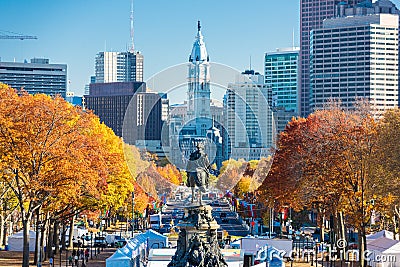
[[327, 162], [54, 155], [170, 173]]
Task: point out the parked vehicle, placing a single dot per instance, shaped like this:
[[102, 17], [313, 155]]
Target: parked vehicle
[[119, 242], [155, 221], [100, 241]]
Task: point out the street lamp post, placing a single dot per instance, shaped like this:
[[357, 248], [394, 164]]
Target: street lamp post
[[133, 212], [39, 264], [95, 250], [66, 257], [51, 260], [91, 245], [60, 251], [73, 250], [82, 253], [98, 248]]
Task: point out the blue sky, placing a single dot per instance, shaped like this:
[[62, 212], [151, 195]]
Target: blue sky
[[73, 31]]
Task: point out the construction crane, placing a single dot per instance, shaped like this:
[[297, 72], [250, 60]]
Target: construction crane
[[13, 35]]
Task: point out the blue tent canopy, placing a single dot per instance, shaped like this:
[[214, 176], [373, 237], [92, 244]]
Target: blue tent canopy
[[119, 259], [135, 248]]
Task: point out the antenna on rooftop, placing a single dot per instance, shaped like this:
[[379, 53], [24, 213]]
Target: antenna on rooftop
[[250, 63], [132, 49]]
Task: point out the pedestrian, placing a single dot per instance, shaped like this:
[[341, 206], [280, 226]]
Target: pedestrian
[[51, 261], [76, 258], [70, 260], [87, 254]]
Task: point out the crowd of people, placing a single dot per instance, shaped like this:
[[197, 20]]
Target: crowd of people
[[79, 255]]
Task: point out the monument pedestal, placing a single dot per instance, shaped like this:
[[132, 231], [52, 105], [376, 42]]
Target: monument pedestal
[[197, 242]]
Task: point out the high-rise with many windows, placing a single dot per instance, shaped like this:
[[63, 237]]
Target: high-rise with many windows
[[356, 56], [119, 67], [312, 14], [38, 76], [248, 117], [281, 75]]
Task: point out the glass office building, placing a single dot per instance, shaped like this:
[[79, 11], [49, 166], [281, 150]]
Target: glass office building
[[281, 75]]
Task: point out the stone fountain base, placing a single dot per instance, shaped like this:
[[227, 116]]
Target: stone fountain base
[[197, 242]]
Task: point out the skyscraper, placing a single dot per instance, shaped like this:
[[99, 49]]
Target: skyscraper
[[119, 67], [281, 75], [248, 117], [356, 56], [312, 14], [38, 76], [110, 102]]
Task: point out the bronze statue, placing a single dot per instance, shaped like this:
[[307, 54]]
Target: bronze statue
[[197, 170]]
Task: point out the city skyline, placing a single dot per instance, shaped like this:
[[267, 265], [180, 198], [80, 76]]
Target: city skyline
[[73, 32]]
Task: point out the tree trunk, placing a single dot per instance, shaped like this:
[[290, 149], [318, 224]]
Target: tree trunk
[[37, 243], [63, 231], [42, 240], [2, 223], [25, 254], [71, 232], [362, 244], [50, 239], [397, 221], [56, 235], [4, 230], [322, 228], [342, 230]]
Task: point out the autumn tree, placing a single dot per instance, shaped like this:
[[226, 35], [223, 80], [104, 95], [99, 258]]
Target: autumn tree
[[327, 162], [170, 173], [53, 154], [282, 184], [388, 167], [230, 174]]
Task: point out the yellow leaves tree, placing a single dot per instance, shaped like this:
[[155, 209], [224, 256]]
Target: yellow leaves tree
[[56, 157], [170, 173], [230, 174], [40, 140], [243, 186]]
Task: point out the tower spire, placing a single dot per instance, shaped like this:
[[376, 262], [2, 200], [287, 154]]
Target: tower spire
[[199, 52], [132, 48]]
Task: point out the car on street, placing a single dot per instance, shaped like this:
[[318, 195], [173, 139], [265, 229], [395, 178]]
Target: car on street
[[165, 228], [100, 241]]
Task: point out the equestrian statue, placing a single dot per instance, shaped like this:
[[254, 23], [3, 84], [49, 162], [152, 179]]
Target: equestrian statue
[[198, 171]]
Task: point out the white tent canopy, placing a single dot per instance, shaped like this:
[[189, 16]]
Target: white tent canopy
[[16, 241], [383, 233], [383, 252]]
